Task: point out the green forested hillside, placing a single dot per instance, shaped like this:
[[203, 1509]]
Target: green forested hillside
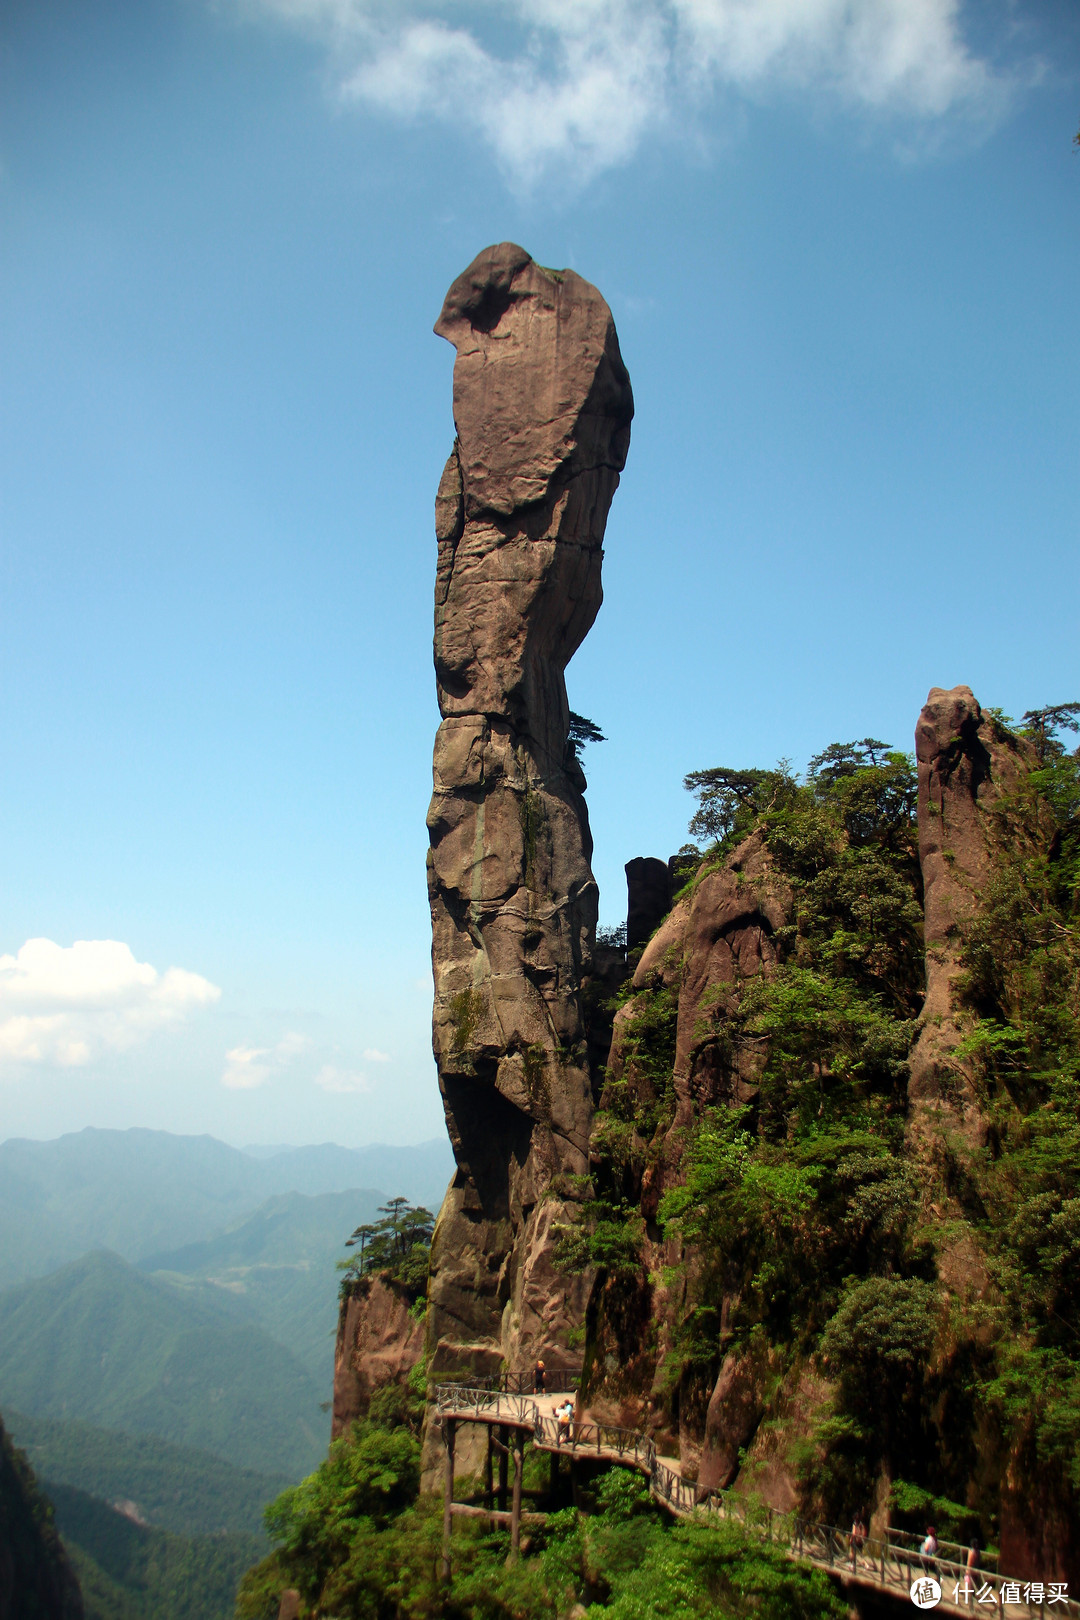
[[130, 1572], [99, 1341], [142, 1192], [279, 1263], [172, 1487], [36, 1579]]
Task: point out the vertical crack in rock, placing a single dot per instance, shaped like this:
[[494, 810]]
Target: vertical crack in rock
[[542, 407]]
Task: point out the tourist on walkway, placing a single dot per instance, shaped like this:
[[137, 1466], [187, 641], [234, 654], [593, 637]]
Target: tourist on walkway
[[564, 1422], [539, 1379], [858, 1538], [974, 1551], [929, 1546]]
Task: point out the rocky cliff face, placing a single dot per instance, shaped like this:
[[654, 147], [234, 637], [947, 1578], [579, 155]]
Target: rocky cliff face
[[378, 1343], [688, 982], [542, 407], [967, 764], [36, 1579]]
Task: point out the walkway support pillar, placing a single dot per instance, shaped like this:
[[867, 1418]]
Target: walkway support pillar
[[504, 1466], [515, 1512], [449, 1426], [489, 1488]]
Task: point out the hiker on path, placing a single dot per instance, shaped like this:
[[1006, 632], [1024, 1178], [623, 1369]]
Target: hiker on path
[[539, 1378], [974, 1552], [858, 1538]]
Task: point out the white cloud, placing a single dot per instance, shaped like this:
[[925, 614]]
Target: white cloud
[[68, 1005], [373, 1055], [247, 1067], [331, 1078], [585, 81]]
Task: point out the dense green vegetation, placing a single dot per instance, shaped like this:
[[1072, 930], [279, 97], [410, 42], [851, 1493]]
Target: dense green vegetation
[[398, 1246], [130, 1572], [356, 1541], [173, 1487], [101, 1342], [808, 1225], [36, 1579], [1019, 1195]]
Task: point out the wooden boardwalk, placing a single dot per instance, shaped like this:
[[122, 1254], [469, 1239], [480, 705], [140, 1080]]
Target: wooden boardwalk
[[889, 1564]]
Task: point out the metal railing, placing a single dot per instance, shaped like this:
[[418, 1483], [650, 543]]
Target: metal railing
[[908, 1541], [490, 1405], [605, 1440], [557, 1381], [889, 1561]]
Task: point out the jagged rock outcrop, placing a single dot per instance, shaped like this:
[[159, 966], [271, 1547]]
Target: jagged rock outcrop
[[967, 764], [712, 942], [719, 936], [37, 1581], [542, 406], [378, 1343]]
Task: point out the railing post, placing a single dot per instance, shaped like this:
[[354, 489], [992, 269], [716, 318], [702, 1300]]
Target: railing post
[[448, 1496]]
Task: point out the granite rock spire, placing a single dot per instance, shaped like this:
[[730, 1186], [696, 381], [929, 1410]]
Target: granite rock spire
[[542, 407]]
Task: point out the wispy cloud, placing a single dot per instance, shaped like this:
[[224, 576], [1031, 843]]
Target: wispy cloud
[[247, 1067], [373, 1055], [67, 1005], [578, 85], [331, 1078]]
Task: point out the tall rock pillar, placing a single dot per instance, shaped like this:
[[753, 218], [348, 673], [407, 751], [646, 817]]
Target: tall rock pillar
[[967, 764], [542, 407]]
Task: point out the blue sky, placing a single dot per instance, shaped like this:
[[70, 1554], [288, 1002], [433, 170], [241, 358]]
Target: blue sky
[[839, 238]]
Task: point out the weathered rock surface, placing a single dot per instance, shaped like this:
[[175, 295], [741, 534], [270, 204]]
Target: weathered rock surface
[[967, 764], [734, 1412], [378, 1343], [716, 938], [542, 405], [713, 941]]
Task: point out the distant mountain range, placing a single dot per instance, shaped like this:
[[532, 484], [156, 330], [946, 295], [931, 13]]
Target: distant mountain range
[[170, 1487], [101, 1342], [143, 1193], [166, 1339], [277, 1268]]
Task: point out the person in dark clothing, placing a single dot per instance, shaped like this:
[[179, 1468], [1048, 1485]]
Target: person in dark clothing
[[539, 1379]]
